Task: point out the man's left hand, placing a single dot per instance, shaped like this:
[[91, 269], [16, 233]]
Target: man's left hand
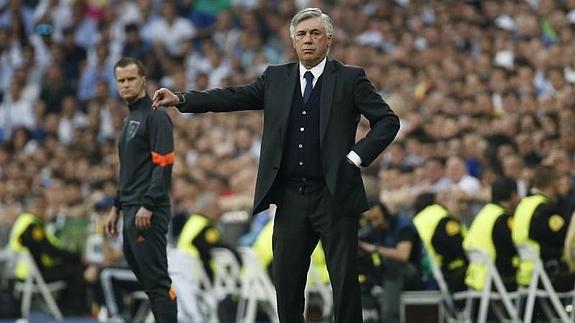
[[143, 219]]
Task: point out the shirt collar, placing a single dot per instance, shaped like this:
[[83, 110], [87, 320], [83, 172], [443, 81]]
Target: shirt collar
[[317, 70], [144, 101], [535, 190]]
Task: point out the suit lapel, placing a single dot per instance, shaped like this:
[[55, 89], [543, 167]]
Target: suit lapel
[[328, 86], [285, 97]]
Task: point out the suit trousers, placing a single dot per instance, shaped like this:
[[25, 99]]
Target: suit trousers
[[145, 252], [303, 217]]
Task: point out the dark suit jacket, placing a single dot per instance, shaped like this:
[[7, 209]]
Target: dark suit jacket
[[346, 93]]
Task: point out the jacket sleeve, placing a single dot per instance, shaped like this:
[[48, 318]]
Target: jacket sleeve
[[448, 240], [383, 122], [548, 226], [502, 237], [34, 238], [161, 141], [233, 98]]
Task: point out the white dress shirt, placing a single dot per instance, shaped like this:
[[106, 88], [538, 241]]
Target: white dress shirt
[[317, 71]]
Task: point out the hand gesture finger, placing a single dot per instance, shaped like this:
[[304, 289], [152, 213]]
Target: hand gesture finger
[[164, 97]]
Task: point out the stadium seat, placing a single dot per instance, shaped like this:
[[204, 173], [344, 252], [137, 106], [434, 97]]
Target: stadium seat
[[489, 294], [197, 301], [119, 274], [33, 285], [227, 275], [257, 288], [450, 312], [540, 278]]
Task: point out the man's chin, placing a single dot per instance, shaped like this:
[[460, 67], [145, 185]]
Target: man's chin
[[128, 97]]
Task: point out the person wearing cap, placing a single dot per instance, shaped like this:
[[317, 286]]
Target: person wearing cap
[[310, 161]]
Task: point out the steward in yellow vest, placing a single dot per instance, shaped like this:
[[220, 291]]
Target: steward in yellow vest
[[442, 235], [539, 224], [490, 232], [29, 234], [198, 237]]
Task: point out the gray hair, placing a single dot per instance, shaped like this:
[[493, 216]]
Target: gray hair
[[311, 13]]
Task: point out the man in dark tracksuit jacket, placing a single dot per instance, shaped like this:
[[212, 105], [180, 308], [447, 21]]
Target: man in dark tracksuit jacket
[[146, 151]]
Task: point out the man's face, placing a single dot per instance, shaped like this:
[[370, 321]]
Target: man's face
[[38, 207], [433, 171], [130, 84], [310, 41]]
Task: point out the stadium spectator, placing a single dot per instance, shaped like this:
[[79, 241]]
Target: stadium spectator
[[435, 178], [394, 239], [513, 167], [169, 30], [486, 70], [456, 171]]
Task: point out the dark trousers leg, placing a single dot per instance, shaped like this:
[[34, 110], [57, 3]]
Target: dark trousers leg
[[339, 239], [74, 300], [145, 252], [301, 219], [293, 244]]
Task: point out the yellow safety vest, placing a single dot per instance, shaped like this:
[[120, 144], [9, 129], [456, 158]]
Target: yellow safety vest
[[263, 244], [318, 258], [426, 223], [20, 226], [520, 233], [195, 224], [480, 237], [263, 249]]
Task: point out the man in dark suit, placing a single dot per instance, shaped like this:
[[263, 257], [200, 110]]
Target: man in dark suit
[[309, 164]]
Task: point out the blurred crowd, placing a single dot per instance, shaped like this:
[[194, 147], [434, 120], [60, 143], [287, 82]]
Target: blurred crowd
[[484, 89]]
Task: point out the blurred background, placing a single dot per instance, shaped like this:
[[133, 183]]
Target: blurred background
[[483, 89]]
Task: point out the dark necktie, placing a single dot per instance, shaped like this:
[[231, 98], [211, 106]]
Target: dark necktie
[[308, 76]]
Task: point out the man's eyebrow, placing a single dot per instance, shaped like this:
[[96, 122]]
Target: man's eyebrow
[[306, 30]]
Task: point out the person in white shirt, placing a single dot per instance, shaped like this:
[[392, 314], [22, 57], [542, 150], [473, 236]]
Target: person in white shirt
[[456, 171], [15, 110], [169, 30]]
